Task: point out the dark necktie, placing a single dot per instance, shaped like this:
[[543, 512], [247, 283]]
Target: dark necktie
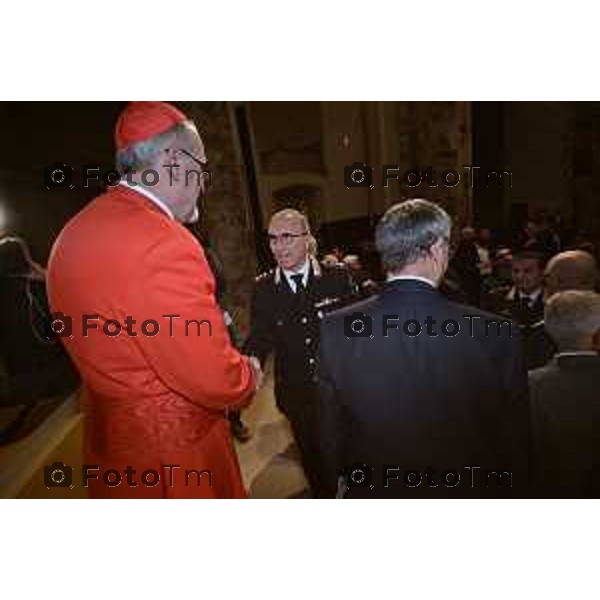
[[298, 280], [526, 301]]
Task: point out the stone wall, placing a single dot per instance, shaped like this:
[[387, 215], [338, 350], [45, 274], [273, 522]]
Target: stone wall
[[226, 212], [585, 188], [431, 134]]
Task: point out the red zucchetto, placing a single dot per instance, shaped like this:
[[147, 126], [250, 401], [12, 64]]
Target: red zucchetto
[[140, 121]]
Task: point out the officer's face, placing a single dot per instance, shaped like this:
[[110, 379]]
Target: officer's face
[[289, 242], [527, 275]]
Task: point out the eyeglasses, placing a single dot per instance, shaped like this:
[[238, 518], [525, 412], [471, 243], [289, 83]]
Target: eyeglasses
[[287, 239]]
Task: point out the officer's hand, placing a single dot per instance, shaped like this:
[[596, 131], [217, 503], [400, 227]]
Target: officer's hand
[[258, 372]]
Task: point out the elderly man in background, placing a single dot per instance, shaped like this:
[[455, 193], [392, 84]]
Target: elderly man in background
[[569, 270], [564, 399], [148, 337]]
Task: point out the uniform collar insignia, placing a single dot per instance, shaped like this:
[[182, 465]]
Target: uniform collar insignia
[[327, 301]]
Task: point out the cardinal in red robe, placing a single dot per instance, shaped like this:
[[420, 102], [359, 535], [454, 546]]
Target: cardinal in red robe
[[133, 299]]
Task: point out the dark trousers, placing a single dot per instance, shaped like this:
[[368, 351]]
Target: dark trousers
[[299, 404]]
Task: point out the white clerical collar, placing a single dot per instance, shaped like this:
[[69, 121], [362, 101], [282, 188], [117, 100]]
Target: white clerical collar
[[417, 277], [304, 270], [148, 194], [577, 353]]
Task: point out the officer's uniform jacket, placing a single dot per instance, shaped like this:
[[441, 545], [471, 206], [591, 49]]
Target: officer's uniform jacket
[[287, 323]]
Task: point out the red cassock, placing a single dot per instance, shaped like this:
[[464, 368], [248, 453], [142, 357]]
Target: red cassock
[[154, 402]]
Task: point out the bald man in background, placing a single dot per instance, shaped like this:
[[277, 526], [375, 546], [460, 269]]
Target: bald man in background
[[569, 270], [288, 304]]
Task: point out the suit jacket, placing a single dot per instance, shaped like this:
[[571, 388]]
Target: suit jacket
[[150, 400], [565, 413], [37, 368], [510, 304], [421, 401], [538, 347]]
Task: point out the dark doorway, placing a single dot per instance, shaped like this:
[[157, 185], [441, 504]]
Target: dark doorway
[[490, 153]]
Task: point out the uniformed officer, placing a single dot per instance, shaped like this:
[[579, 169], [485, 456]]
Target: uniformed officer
[[287, 307]]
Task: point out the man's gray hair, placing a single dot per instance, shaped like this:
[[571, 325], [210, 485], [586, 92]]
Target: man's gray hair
[[572, 316], [147, 154], [407, 231]]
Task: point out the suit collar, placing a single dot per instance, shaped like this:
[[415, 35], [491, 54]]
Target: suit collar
[[411, 277], [409, 285]]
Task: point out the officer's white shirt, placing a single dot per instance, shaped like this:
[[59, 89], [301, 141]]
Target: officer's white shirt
[[304, 270]]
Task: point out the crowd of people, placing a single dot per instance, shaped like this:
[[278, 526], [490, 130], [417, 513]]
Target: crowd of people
[[458, 368]]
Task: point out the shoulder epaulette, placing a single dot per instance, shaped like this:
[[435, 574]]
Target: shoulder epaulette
[[264, 276]]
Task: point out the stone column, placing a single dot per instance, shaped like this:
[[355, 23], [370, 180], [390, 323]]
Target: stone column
[[226, 211]]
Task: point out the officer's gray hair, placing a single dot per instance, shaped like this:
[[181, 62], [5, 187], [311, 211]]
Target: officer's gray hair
[[407, 231], [147, 153], [572, 316]]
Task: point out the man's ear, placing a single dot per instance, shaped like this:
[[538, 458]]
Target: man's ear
[[440, 250]]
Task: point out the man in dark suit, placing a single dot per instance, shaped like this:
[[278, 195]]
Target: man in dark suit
[[287, 307], [421, 396], [565, 401], [524, 303]]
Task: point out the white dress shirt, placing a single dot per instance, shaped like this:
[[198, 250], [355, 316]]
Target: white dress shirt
[[531, 298], [304, 270]]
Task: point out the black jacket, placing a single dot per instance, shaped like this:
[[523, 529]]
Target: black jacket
[[538, 347], [417, 402], [36, 364], [565, 411]]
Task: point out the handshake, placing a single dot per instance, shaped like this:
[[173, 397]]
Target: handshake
[[259, 376]]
